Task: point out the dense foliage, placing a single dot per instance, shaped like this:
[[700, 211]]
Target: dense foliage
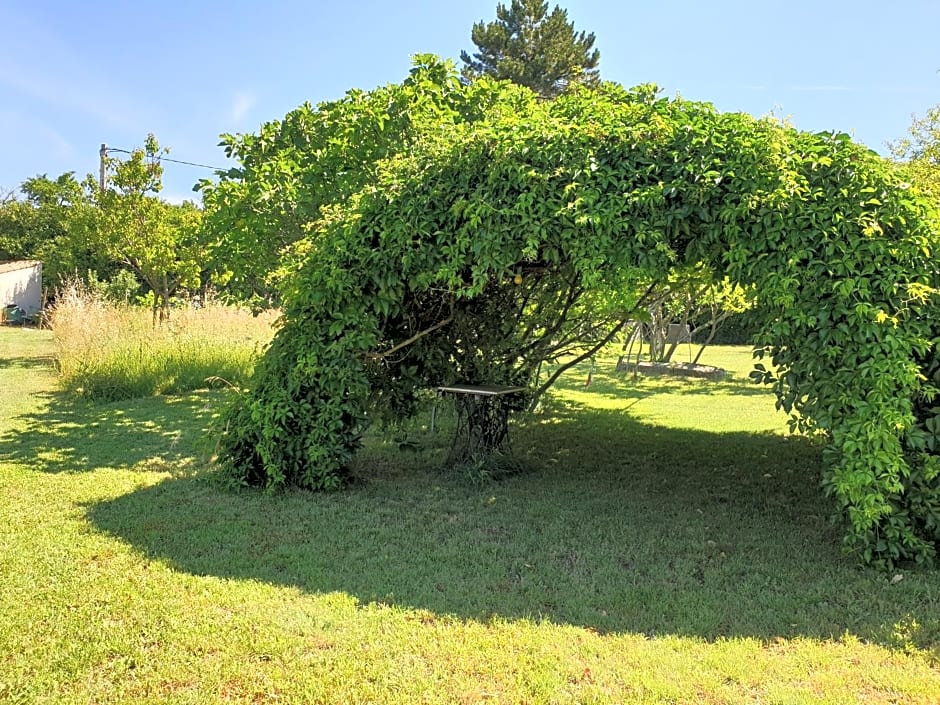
[[471, 227], [39, 223], [532, 47]]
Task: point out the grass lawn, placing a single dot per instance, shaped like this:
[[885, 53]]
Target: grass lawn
[[667, 544]]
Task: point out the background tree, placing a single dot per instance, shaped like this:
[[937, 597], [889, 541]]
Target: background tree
[[40, 224], [532, 48], [16, 236], [921, 152], [162, 243], [691, 298]]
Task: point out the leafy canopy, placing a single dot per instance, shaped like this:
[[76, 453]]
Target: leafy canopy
[[262, 215], [534, 48], [488, 222]]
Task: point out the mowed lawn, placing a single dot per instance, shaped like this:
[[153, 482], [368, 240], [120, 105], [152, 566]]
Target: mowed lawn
[[666, 543]]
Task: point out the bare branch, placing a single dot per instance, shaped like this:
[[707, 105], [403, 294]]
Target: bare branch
[[416, 337]]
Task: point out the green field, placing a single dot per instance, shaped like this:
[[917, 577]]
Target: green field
[[666, 543]]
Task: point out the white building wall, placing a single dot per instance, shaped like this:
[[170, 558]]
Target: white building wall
[[22, 286]]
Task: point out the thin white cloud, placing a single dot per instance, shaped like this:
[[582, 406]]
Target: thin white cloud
[[62, 93], [822, 88], [72, 87], [241, 105], [60, 147], [17, 126]]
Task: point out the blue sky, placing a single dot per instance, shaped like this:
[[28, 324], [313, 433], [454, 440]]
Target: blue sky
[[74, 75]]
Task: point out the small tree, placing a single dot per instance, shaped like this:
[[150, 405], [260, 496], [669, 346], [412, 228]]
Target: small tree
[[159, 241], [530, 47], [690, 297]]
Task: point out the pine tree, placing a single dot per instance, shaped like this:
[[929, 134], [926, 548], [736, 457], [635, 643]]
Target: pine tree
[[533, 48]]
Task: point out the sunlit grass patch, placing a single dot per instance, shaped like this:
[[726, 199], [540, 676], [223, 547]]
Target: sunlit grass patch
[[679, 402]]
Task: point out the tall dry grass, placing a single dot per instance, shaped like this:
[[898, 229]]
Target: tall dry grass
[[110, 351]]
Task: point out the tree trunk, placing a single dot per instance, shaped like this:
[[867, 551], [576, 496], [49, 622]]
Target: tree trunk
[[715, 323], [164, 300]]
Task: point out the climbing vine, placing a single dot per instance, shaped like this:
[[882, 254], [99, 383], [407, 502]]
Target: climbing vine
[[492, 231]]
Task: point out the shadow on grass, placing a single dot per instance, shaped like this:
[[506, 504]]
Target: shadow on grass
[[618, 526], [72, 435], [23, 363]]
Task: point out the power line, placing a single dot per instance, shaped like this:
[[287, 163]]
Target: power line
[[167, 159]]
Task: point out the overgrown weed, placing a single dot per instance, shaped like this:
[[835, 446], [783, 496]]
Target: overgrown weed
[[108, 351]]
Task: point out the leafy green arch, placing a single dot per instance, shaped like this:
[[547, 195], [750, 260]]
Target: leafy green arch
[[487, 235]]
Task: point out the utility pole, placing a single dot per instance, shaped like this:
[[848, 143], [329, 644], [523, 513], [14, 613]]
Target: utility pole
[[103, 155]]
